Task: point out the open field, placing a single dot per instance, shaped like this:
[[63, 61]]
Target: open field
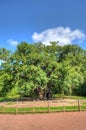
[[56, 121]]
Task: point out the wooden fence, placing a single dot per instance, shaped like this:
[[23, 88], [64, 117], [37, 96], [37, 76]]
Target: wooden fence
[[62, 105]]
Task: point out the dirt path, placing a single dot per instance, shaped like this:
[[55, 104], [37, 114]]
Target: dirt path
[[56, 121], [41, 103]]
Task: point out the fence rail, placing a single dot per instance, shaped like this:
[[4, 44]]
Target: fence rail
[[43, 106]]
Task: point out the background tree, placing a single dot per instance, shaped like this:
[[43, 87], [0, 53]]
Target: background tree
[[36, 70]]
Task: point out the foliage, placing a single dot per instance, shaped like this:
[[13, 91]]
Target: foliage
[[35, 70]]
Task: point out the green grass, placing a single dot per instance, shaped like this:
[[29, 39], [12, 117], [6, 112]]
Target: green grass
[[7, 110], [55, 96], [76, 97], [68, 97], [5, 99], [83, 107], [83, 103], [39, 109], [33, 110], [10, 110]]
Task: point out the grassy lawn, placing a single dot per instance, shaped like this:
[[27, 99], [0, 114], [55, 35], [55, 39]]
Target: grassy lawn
[[40, 109], [69, 97], [55, 96]]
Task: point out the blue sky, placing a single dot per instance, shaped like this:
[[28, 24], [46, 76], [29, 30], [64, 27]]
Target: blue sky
[[42, 20]]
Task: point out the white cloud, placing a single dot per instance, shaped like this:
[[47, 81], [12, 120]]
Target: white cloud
[[61, 34], [1, 61], [12, 42]]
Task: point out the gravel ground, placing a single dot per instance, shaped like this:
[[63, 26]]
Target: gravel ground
[[53, 121]]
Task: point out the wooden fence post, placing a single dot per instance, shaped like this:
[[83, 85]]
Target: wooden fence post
[[63, 105], [79, 105], [16, 110], [48, 106], [33, 110], [4, 110]]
